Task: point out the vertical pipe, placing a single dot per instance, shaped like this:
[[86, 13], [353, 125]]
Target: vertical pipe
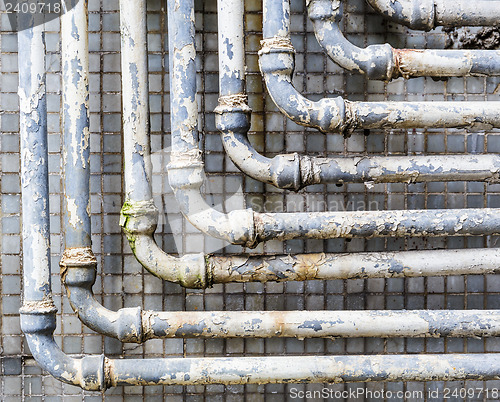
[[231, 47], [134, 59], [76, 150], [277, 19], [182, 57], [34, 155]]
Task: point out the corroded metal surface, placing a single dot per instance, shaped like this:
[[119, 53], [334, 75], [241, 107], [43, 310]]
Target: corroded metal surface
[[75, 119], [297, 369], [429, 14], [301, 267], [383, 62], [339, 115], [322, 324]]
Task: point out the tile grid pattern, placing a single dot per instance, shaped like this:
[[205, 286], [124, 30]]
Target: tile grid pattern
[[122, 283]]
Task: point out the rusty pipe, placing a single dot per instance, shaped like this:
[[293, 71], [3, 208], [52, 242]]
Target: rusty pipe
[[383, 62], [246, 227], [294, 171], [428, 14]]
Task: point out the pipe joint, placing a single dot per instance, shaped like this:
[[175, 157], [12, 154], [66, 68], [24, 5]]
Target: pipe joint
[[38, 317], [242, 228], [186, 170], [129, 325], [277, 56], [139, 217], [286, 171], [325, 10], [233, 114]]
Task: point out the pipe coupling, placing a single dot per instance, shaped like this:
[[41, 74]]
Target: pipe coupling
[[185, 170], [233, 114], [139, 217]]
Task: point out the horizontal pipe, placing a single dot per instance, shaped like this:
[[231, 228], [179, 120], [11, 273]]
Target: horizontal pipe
[[326, 266], [295, 171], [98, 372], [428, 14], [322, 324], [78, 274], [307, 369], [368, 224], [383, 62], [339, 115]]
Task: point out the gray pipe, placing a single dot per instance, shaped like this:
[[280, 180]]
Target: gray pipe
[[300, 369], [248, 228], [75, 119], [139, 215], [97, 372], [428, 14], [78, 273], [383, 62], [294, 171], [339, 115], [38, 310]]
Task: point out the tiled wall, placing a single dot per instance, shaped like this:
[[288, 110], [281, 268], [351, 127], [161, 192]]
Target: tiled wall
[[123, 283]]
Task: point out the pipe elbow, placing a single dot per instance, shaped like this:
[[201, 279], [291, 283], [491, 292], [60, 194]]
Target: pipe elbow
[[139, 217], [233, 114], [377, 62], [419, 15], [38, 324], [78, 274], [190, 271], [139, 220], [277, 64]]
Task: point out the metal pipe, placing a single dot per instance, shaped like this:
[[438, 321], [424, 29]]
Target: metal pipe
[[34, 155], [383, 62], [139, 215], [428, 14], [38, 310], [305, 369], [339, 115], [302, 267], [248, 228], [98, 372], [75, 119], [78, 273], [294, 171]]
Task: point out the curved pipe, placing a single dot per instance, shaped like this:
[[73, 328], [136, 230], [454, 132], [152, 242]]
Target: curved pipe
[[78, 273], [383, 62], [248, 228], [139, 215], [339, 115], [97, 372], [294, 171], [428, 14]]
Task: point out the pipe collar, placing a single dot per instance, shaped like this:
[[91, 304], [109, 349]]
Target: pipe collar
[[139, 217]]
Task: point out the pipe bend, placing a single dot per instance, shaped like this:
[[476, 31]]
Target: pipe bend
[[139, 220], [276, 62], [233, 121], [377, 62], [186, 176], [420, 14], [38, 325]]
